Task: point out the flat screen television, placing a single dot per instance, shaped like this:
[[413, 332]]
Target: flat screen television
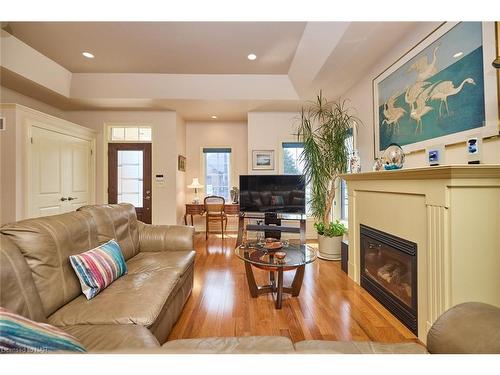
[[273, 193]]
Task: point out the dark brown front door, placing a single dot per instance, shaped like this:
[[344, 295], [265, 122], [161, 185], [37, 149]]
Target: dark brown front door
[[129, 177]]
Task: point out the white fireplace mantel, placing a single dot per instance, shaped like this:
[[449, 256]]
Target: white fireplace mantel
[[452, 213]]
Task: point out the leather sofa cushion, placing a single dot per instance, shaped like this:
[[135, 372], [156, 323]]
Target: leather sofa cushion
[[156, 238], [230, 345], [107, 338], [17, 288], [46, 244], [118, 222], [467, 328], [356, 347], [135, 298], [149, 262]]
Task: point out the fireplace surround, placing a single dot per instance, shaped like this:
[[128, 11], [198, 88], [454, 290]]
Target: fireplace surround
[[451, 213], [389, 273]]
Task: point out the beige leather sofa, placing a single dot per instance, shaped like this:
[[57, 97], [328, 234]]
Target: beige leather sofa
[[136, 313]]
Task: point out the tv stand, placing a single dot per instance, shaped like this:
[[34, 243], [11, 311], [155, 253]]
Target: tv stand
[[272, 225]]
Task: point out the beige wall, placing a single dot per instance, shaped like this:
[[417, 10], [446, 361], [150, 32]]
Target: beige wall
[[361, 99], [27, 62], [214, 134], [180, 176], [164, 154], [10, 96], [267, 131], [10, 164]]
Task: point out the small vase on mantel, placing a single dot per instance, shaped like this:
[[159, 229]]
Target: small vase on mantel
[[355, 162]]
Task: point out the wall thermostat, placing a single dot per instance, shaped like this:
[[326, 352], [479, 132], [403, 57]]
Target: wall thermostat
[[473, 149], [160, 179], [435, 155]]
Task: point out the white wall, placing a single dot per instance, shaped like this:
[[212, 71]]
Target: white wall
[[361, 99], [267, 131], [214, 134], [164, 154]]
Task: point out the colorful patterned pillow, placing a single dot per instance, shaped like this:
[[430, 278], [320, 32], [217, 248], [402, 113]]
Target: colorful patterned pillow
[[21, 335], [99, 267]]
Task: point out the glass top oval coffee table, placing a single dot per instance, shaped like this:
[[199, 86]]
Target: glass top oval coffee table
[[297, 256]]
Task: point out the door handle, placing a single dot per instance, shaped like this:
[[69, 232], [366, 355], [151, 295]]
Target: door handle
[[63, 199], [72, 198]]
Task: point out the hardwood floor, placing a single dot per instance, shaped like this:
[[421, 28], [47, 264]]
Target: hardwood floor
[[330, 306]]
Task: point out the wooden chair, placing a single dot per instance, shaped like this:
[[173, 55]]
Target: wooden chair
[[215, 211]]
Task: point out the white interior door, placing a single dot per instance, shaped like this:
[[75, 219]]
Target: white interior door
[[60, 172], [78, 187]]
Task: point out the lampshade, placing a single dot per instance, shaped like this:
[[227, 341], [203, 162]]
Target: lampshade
[[195, 184]]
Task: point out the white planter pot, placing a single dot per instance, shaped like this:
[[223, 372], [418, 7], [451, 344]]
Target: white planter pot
[[329, 247]]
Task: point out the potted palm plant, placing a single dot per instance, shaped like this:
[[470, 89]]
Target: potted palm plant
[[324, 128]]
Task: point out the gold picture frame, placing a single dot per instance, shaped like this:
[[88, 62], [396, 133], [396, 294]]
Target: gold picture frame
[[181, 163]]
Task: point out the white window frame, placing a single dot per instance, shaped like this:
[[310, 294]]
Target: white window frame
[[107, 140], [110, 126], [233, 181]]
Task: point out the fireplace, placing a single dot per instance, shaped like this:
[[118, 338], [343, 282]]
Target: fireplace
[[389, 273]]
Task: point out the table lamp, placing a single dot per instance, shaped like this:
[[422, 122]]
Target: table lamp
[[195, 185]]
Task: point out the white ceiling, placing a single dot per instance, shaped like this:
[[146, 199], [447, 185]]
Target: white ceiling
[[165, 47], [195, 68]]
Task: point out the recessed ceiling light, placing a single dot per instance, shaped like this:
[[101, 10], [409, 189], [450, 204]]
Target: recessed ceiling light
[[214, 117], [88, 55], [458, 54], [252, 56]]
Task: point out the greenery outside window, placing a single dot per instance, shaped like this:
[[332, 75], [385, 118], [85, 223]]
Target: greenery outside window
[[292, 164]]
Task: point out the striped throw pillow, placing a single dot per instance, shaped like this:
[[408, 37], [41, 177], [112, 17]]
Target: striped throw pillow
[[22, 335], [99, 267]]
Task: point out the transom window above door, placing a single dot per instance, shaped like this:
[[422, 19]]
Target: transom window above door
[[130, 134]]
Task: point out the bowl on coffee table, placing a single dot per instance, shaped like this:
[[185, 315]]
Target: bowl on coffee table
[[272, 244]]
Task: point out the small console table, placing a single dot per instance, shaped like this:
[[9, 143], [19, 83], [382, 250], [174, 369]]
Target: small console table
[[199, 209]]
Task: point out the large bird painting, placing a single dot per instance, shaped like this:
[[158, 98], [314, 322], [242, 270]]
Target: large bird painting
[[437, 92]]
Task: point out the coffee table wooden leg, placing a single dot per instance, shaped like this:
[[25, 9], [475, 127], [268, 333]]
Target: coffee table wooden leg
[[279, 294], [271, 278], [241, 229], [252, 285], [297, 280], [185, 219]]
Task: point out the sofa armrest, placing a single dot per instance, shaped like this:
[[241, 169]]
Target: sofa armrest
[[468, 328], [165, 237]]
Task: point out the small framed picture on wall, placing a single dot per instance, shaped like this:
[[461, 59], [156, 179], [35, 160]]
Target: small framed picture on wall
[[263, 159], [181, 163]]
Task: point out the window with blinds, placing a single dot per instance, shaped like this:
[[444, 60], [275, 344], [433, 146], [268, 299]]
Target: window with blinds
[[217, 171]]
